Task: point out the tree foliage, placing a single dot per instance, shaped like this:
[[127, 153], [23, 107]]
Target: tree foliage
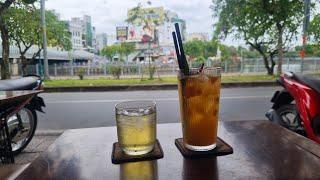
[[5, 72], [126, 49], [314, 29], [267, 26], [196, 48], [110, 51], [57, 32], [25, 31]]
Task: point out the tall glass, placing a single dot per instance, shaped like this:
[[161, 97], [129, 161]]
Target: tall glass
[[136, 126], [199, 95]]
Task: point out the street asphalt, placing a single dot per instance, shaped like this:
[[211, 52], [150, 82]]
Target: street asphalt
[[96, 109]]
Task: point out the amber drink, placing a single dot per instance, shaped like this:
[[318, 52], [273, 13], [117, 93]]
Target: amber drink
[[199, 94]]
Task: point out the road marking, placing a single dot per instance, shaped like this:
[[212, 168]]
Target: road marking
[[157, 100]]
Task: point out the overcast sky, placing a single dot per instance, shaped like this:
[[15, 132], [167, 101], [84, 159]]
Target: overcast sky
[[107, 14]]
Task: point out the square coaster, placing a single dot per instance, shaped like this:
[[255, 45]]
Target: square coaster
[[118, 156], [222, 149]]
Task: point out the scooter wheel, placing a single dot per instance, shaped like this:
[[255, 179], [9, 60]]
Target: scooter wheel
[[290, 118], [24, 134]]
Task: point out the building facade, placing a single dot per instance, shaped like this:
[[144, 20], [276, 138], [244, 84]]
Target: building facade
[[82, 33], [198, 36], [101, 41], [75, 29], [152, 33]]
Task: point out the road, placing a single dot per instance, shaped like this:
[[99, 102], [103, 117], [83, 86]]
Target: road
[[95, 109]]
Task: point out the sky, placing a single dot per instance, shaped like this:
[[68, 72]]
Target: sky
[[107, 14]]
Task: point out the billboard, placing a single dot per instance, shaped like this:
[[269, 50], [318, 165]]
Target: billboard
[[145, 33], [153, 14], [122, 33]]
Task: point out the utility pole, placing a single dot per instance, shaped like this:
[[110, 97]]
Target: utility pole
[[305, 30], [44, 31]]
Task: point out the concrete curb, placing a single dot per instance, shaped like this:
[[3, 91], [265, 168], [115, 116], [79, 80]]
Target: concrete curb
[[149, 87], [49, 132]]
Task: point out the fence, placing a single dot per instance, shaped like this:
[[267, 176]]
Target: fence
[[310, 65]]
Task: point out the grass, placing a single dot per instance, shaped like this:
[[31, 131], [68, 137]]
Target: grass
[[138, 81], [107, 82], [248, 78]]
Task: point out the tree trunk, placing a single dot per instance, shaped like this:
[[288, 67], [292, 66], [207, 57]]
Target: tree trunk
[[272, 64], [258, 47], [24, 64], [280, 50], [266, 65], [5, 71]]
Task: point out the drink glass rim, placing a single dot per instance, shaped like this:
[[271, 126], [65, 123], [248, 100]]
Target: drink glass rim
[[195, 72], [148, 104]]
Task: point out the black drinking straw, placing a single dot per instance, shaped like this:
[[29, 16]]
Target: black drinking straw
[[177, 50], [183, 60]]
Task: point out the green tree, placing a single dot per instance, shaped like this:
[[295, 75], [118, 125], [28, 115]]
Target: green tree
[[110, 51], [314, 29], [24, 30], [5, 72], [227, 52], [23, 22], [194, 49], [310, 50], [267, 26], [211, 48], [127, 48], [57, 31], [4, 6]]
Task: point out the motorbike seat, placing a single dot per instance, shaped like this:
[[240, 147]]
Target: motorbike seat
[[25, 83], [309, 81]]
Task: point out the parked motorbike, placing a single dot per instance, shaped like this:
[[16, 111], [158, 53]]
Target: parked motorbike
[[297, 106], [23, 124]]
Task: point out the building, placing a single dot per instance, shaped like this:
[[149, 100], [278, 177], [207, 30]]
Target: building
[[75, 29], [198, 36], [87, 30], [152, 33], [82, 33], [111, 39], [101, 41]]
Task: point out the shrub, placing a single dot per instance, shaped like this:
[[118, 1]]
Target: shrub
[[81, 72], [152, 70], [115, 71]]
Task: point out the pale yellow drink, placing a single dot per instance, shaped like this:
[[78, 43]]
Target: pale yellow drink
[[136, 127], [139, 170]]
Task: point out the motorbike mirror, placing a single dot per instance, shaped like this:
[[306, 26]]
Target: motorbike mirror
[[29, 1]]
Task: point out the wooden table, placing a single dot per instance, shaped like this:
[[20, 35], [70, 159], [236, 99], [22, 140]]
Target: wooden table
[[262, 150]]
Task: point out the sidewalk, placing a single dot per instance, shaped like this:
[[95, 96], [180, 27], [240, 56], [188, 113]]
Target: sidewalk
[[38, 144]]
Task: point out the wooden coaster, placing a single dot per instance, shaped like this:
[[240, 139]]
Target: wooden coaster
[[222, 149], [118, 156]]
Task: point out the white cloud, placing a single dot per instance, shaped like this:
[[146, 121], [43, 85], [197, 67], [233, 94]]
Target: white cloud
[[107, 14]]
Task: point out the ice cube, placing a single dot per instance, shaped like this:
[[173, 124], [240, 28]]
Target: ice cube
[[131, 113], [124, 112], [147, 111]]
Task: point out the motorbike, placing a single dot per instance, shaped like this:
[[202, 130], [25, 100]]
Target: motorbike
[[297, 106], [22, 125]]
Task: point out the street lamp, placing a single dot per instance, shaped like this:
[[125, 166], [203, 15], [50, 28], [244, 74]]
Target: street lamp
[[44, 31]]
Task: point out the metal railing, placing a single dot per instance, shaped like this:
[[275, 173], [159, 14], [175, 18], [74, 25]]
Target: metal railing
[[310, 65]]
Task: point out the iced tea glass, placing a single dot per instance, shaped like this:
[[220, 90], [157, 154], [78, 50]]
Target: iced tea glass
[[136, 126], [199, 94]]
